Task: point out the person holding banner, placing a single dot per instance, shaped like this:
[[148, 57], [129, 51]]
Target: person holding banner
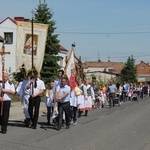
[[8, 91], [73, 97], [37, 88]]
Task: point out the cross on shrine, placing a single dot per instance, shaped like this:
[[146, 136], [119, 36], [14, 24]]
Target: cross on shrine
[[3, 53]]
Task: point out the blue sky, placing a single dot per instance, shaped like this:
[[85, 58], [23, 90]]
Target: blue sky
[[101, 29]]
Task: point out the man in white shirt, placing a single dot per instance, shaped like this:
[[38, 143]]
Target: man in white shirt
[[7, 90], [37, 88], [24, 95], [57, 83], [112, 89], [63, 99]]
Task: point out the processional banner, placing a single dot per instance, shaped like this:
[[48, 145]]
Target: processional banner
[[24, 45], [70, 66]]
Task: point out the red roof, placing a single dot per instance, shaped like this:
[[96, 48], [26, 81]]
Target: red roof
[[62, 48], [6, 19], [16, 19], [143, 68], [116, 66], [21, 19]]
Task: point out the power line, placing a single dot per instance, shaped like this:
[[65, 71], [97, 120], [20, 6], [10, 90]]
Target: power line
[[135, 56], [103, 33]]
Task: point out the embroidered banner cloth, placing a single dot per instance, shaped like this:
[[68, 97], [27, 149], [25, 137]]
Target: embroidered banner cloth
[[24, 45]]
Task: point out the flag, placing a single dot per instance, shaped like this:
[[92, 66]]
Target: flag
[[70, 66], [24, 45], [70, 70]]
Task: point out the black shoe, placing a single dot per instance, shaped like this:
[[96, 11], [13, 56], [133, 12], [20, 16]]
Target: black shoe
[[33, 127], [58, 127], [48, 123], [67, 127], [54, 121], [85, 114], [79, 116], [3, 131], [27, 122]]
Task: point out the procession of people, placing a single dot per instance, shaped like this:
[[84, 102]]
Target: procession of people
[[66, 100]]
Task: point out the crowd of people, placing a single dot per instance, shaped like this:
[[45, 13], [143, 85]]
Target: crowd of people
[[29, 91], [66, 99]]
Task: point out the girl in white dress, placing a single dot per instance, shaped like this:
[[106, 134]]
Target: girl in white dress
[[89, 96], [100, 101], [81, 97]]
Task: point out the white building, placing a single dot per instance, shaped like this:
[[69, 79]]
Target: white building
[[63, 53], [102, 70], [8, 30]]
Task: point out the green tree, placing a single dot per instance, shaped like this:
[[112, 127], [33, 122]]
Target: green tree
[[129, 72], [50, 66], [19, 75]]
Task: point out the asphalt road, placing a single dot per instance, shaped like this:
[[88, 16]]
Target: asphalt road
[[120, 128]]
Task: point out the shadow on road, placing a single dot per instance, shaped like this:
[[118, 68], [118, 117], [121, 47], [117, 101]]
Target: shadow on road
[[16, 123], [43, 125]]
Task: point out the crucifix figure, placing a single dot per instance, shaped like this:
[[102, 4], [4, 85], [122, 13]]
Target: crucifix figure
[[3, 53]]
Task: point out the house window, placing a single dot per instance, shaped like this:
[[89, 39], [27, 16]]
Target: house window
[[142, 67], [110, 70], [8, 36]]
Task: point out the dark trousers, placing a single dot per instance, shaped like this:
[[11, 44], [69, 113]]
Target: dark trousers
[[121, 97], [141, 95], [66, 108], [0, 113], [111, 99], [5, 116], [124, 96], [74, 113], [49, 113], [34, 104]]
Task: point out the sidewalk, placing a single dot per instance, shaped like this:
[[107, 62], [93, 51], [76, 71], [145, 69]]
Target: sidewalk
[[16, 111]]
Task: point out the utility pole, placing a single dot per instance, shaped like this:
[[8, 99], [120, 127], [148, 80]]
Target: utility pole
[[32, 34]]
